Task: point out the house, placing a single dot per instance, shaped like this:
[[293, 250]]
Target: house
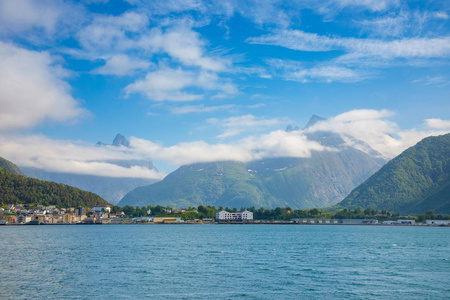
[[238, 216]]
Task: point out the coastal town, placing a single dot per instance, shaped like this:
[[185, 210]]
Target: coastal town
[[51, 215]]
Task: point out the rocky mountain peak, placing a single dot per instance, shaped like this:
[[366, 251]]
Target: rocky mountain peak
[[290, 128], [120, 140], [313, 120]]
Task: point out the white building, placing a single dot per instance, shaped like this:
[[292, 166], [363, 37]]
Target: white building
[[238, 216]]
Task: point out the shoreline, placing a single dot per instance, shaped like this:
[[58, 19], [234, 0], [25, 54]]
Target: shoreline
[[235, 223]]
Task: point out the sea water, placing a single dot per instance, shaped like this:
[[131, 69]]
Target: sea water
[[224, 262]]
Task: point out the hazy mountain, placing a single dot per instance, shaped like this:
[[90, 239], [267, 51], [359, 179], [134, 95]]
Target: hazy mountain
[[319, 181], [16, 188], [9, 166], [120, 140], [313, 120], [415, 181], [110, 188]]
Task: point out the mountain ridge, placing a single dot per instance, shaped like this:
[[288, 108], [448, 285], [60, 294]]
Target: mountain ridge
[[415, 181]]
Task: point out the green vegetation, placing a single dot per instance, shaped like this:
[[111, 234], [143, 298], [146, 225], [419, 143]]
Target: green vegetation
[[417, 180], [16, 189]]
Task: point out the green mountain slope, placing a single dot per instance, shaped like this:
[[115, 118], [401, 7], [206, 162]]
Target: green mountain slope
[[415, 181], [217, 184], [16, 188], [9, 166], [319, 181]]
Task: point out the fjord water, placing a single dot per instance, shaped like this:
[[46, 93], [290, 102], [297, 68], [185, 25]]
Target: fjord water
[[224, 261]]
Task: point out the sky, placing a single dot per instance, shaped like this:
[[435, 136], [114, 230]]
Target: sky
[[198, 81]]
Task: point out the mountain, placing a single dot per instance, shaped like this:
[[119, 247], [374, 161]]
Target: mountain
[[15, 188], [319, 181], [110, 188], [415, 181], [218, 184], [313, 120], [120, 140], [10, 167]]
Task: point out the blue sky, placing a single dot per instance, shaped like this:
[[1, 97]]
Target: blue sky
[[192, 81]]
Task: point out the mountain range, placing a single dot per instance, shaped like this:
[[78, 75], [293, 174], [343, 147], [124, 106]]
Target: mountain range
[[111, 189], [322, 180], [416, 181]]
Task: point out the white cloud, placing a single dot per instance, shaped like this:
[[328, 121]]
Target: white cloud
[[33, 90], [437, 123], [238, 125], [373, 128], [296, 71], [439, 81], [112, 33], [122, 64], [183, 44], [168, 6], [200, 108], [130, 32], [297, 40], [72, 157], [360, 48], [274, 144], [186, 109], [388, 26], [168, 84], [441, 15], [374, 5], [49, 16], [360, 55]]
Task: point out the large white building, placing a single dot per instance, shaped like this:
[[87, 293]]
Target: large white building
[[238, 216]]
